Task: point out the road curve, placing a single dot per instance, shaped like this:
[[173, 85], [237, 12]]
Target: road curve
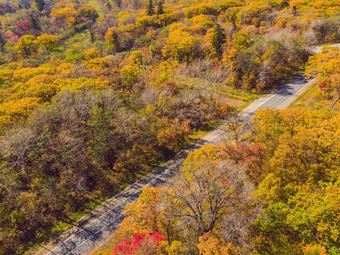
[[106, 218]]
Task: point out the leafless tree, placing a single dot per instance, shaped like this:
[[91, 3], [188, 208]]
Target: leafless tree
[[208, 190], [235, 226], [235, 127], [14, 146], [309, 38], [151, 95], [215, 77], [335, 98], [189, 106]]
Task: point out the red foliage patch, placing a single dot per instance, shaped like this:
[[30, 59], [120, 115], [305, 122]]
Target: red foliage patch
[[23, 25], [139, 240], [251, 156], [323, 86]]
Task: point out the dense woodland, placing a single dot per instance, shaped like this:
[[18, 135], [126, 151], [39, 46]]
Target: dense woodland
[[93, 94], [276, 194]]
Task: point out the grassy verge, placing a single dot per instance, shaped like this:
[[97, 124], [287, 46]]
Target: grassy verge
[[314, 99], [241, 95]]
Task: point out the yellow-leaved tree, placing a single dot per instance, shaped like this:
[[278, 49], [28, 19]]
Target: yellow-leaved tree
[[325, 66]]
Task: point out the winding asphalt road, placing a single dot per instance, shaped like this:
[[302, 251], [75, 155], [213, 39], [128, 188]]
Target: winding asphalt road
[[104, 220]]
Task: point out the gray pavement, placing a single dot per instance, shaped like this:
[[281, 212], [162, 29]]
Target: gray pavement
[[280, 99]]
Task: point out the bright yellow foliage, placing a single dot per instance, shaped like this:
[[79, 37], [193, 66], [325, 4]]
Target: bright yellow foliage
[[48, 42], [181, 45], [15, 111], [26, 46], [212, 244]]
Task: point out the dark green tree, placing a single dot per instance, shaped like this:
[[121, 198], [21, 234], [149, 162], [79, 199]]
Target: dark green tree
[[160, 9], [40, 4], [34, 22], [151, 9], [2, 41], [218, 39], [119, 3]]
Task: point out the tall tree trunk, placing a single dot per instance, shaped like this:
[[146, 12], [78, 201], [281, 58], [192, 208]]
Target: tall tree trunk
[[333, 100], [26, 173]]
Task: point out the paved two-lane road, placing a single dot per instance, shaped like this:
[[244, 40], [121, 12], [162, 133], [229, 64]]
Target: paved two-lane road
[[106, 218]]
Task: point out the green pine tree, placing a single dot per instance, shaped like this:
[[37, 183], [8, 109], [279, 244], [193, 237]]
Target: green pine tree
[[160, 9], [151, 9], [218, 39], [40, 4]]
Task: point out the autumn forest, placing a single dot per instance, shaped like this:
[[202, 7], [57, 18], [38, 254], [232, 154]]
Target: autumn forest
[[96, 94]]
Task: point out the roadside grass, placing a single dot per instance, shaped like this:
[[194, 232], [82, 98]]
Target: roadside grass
[[245, 96], [314, 99], [240, 98], [237, 98], [197, 134]]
